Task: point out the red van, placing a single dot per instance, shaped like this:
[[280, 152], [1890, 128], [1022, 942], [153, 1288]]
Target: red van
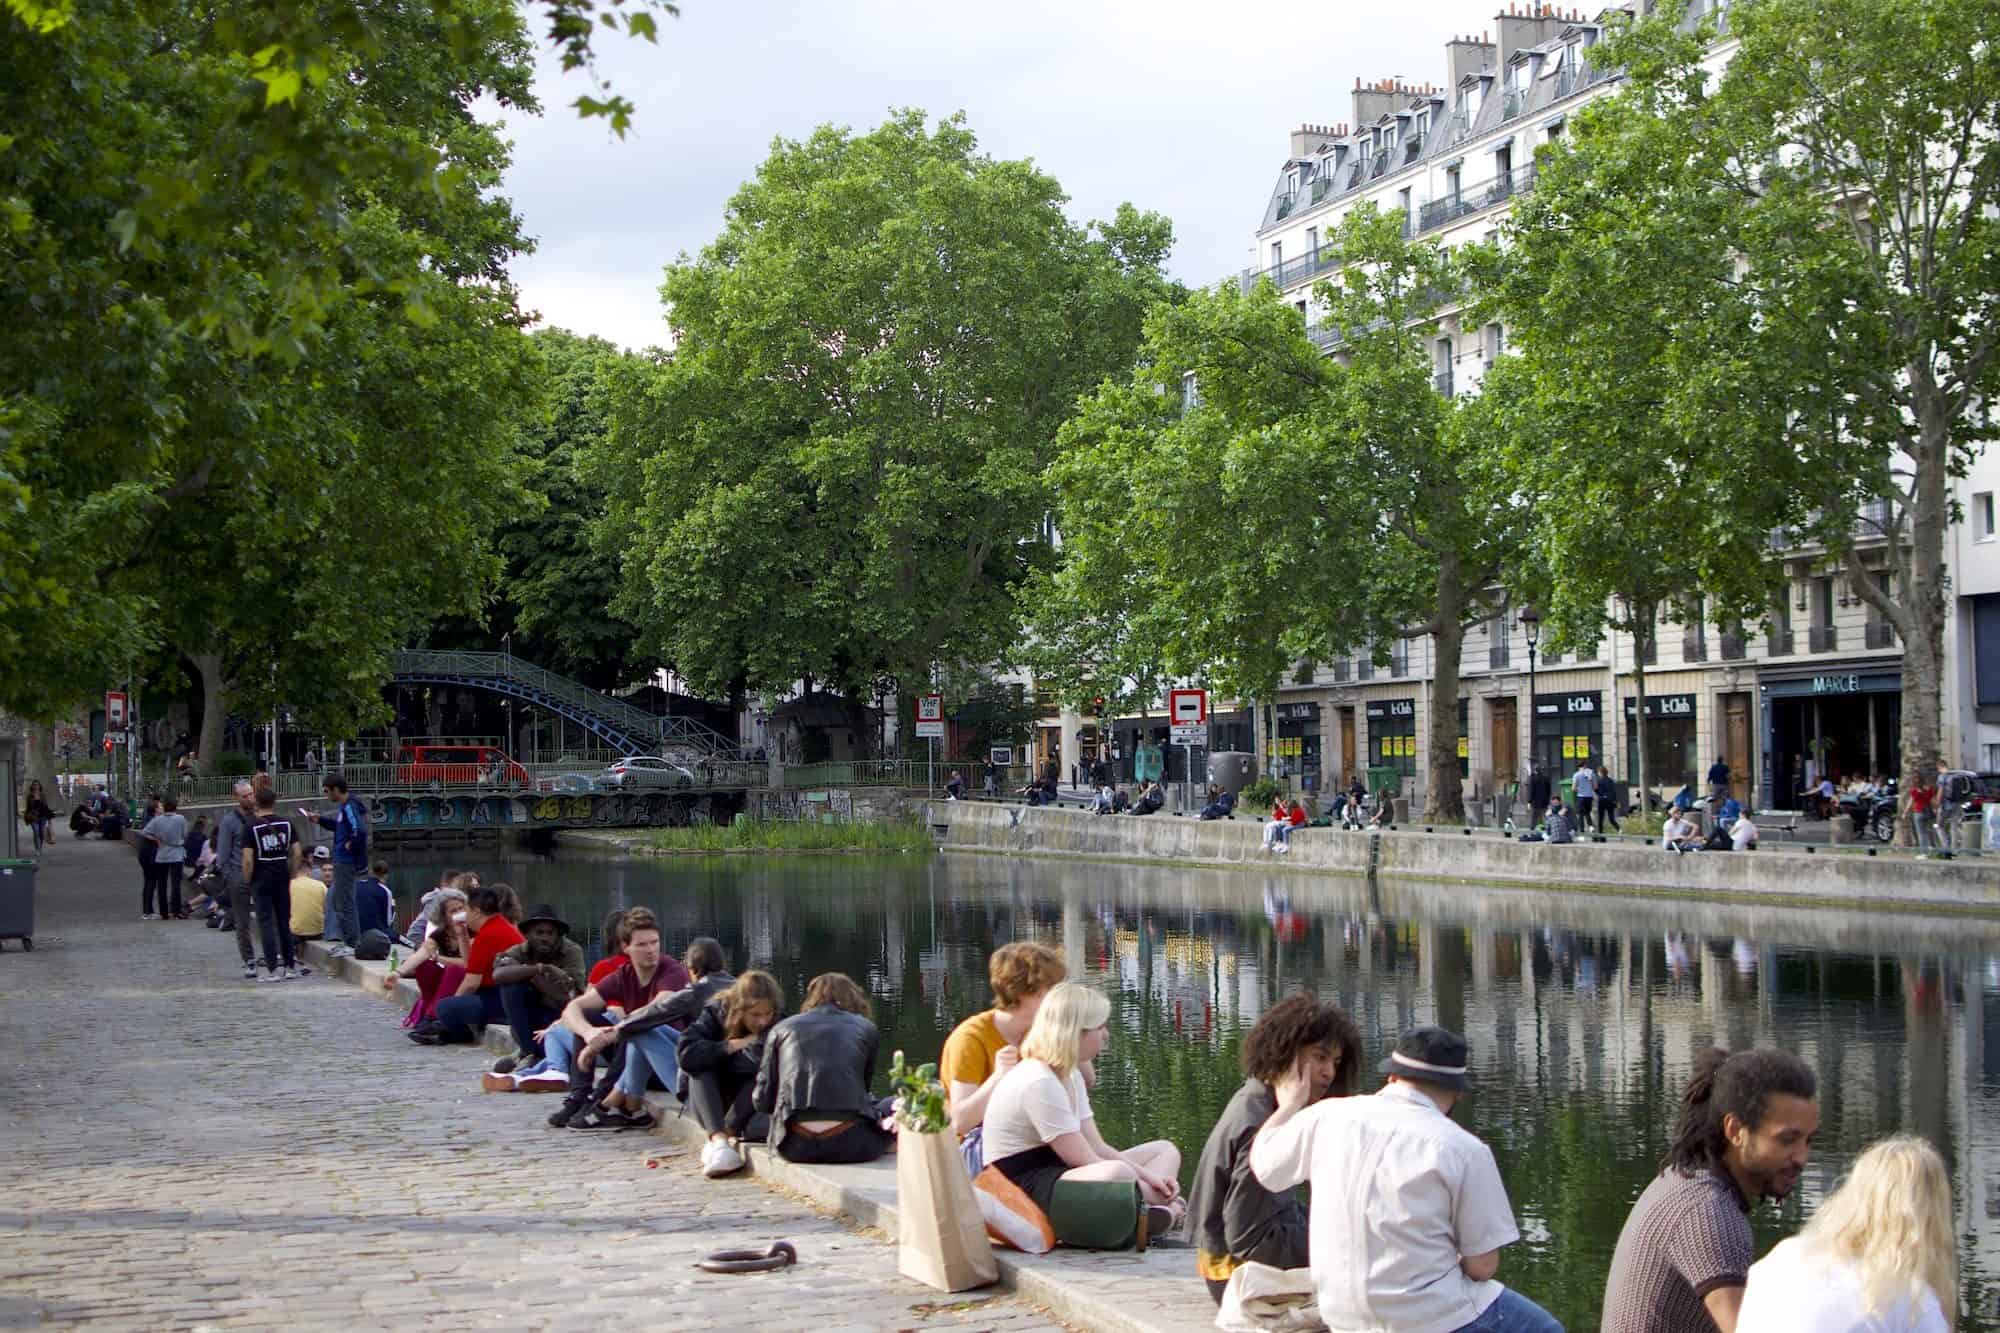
[[459, 766]]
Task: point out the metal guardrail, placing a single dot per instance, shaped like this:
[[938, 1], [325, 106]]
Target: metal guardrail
[[615, 714]]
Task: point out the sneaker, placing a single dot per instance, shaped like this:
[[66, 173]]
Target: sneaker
[[301, 970], [506, 1064], [249, 971], [147, 916], [297, 973], [498, 1082], [720, 1159], [339, 951], [275, 974], [549, 1080], [562, 1115]]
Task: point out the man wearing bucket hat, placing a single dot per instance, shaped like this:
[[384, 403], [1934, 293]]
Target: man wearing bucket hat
[[537, 977], [1408, 1212]]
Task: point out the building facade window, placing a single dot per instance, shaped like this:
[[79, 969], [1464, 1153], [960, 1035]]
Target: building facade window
[[1982, 516], [1569, 729], [1671, 760], [1190, 392], [1496, 341], [1392, 740]]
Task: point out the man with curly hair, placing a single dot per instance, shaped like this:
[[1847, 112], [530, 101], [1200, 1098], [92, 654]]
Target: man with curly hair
[[1235, 1220]]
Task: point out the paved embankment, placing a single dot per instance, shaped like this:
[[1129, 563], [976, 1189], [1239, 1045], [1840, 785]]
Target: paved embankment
[[1896, 880], [185, 1149]]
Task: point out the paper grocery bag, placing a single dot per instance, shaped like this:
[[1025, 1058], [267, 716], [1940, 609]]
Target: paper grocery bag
[[943, 1242]]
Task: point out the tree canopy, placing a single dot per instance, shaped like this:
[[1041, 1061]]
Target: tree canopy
[[839, 472]]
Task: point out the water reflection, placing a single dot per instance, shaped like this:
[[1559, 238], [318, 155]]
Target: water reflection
[[1584, 1013]]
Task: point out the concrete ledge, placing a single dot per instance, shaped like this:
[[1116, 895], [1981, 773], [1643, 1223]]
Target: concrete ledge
[[1968, 886], [1155, 1292]]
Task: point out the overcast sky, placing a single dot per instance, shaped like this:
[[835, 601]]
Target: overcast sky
[[1179, 106]]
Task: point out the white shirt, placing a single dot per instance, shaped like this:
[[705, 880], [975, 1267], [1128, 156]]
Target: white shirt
[[1796, 1290], [1742, 833], [1030, 1106], [1399, 1195]]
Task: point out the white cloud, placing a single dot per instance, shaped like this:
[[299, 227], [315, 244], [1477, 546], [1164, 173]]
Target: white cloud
[[1179, 107]]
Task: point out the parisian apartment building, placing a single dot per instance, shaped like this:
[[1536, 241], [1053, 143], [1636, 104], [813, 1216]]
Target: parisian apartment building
[[1818, 690]]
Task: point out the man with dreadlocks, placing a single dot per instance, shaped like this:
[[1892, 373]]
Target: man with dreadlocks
[[1746, 1128]]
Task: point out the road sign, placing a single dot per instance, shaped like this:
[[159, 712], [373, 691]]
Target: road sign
[[1001, 756], [930, 716], [1191, 733], [114, 708], [1187, 708]]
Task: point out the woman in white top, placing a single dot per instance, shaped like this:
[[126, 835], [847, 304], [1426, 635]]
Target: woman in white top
[[1039, 1127], [1877, 1257]]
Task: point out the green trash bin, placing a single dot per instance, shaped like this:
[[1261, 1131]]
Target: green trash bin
[[17, 901], [1566, 789]]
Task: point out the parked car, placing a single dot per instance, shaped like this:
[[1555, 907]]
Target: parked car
[[438, 766], [646, 771]]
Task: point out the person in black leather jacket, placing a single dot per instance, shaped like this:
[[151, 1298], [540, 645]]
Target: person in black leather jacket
[[814, 1082], [720, 1054]]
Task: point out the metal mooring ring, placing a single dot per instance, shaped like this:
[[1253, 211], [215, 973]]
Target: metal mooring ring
[[779, 1255]]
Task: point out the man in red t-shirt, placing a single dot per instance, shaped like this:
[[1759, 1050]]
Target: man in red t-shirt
[[462, 1016], [645, 975]]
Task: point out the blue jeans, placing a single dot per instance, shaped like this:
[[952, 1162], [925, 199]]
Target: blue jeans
[[655, 1053], [558, 1053], [342, 921], [527, 1013], [1513, 1313], [464, 1016]]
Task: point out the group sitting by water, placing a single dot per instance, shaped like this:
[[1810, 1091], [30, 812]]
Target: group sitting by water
[[1407, 1214]]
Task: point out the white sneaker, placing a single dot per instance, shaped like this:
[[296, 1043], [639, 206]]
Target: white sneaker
[[147, 916], [548, 1080], [275, 975], [249, 971], [297, 973], [720, 1159], [339, 951]]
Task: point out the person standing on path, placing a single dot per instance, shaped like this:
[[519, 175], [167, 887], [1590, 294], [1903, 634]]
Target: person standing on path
[[1538, 796], [1586, 791], [269, 860], [232, 835], [149, 861], [1746, 1129], [349, 825], [1923, 821], [167, 831], [35, 812], [1718, 782], [1408, 1213]]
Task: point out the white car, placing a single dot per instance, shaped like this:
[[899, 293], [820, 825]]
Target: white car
[[647, 771]]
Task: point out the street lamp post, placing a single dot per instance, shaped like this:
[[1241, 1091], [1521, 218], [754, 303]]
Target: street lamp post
[[1531, 626], [507, 650]]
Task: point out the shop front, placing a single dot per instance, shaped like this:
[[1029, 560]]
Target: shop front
[[1295, 749], [1392, 742], [1841, 722], [1673, 749], [1569, 729]]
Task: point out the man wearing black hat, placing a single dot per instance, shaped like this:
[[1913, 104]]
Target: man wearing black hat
[[537, 977], [1408, 1212]]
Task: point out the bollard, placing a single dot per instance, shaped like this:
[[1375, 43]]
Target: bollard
[[1400, 808]]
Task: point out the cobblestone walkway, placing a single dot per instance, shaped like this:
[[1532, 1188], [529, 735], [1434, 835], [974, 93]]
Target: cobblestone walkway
[[184, 1149]]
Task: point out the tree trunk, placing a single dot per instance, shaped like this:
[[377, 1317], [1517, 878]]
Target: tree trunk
[[1923, 646], [1444, 794], [1640, 642], [214, 708]]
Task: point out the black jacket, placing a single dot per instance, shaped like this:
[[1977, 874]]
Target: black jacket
[[705, 1050], [679, 1009], [817, 1065], [1538, 789], [1234, 1219]]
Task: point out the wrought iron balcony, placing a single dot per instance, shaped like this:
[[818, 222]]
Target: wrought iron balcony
[[1364, 669], [1341, 671], [1552, 659], [1694, 646], [1399, 664], [1496, 656], [1442, 383], [1881, 634], [1472, 199], [1732, 647], [1825, 638], [1780, 643], [1649, 653]]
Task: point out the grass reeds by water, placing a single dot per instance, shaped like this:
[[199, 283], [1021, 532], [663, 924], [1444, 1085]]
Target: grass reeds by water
[[746, 835]]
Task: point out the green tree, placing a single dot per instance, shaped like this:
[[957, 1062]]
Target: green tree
[[838, 473], [354, 468], [555, 591], [1845, 159], [1614, 295], [1245, 501]]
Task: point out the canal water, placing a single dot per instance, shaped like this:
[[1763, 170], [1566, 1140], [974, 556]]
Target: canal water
[[1583, 1012]]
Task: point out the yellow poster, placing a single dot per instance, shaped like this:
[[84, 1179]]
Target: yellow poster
[[1388, 747], [1569, 747], [1464, 750], [1409, 746]]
